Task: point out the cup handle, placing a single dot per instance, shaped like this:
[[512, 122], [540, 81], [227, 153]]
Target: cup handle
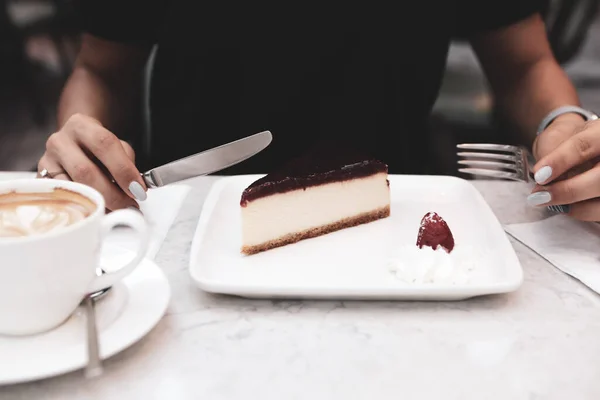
[[134, 220]]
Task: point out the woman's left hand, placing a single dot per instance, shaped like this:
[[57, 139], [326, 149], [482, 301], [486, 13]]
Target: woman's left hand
[[569, 174]]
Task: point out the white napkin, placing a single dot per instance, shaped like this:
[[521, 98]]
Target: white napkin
[[571, 246], [160, 210]]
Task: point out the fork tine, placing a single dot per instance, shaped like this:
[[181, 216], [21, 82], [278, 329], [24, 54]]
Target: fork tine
[[488, 164], [488, 146], [494, 156], [491, 173]]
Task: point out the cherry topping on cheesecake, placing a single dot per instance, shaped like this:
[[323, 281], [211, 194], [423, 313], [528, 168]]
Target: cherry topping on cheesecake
[[434, 232]]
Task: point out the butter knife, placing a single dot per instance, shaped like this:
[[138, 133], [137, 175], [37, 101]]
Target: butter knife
[[208, 161]]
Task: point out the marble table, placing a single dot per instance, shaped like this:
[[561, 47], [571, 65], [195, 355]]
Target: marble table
[[540, 342]]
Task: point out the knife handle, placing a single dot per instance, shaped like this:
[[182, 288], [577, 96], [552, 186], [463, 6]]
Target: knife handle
[[148, 180]]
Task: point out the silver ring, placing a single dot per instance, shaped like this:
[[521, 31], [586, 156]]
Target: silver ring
[[45, 174]]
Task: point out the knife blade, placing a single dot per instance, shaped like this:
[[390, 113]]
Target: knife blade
[[208, 161]]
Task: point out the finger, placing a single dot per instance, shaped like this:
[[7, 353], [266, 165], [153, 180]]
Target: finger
[[128, 150], [81, 169], [578, 149], [107, 148], [549, 140], [578, 188], [588, 210], [126, 147]]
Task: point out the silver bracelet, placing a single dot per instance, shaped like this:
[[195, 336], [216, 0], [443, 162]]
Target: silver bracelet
[[587, 115]]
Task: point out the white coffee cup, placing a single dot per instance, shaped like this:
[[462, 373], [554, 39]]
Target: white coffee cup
[[44, 277]]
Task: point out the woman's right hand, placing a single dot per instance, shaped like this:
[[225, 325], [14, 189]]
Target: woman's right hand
[[86, 152]]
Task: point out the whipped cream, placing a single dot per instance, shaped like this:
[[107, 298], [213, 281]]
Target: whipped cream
[[428, 266]]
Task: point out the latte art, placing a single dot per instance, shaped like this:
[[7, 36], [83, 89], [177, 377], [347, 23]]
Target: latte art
[[27, 214]]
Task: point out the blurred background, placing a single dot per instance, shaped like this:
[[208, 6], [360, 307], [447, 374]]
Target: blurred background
[[39, 40]]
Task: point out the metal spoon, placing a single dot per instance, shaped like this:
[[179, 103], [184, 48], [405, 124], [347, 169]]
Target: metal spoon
[[94, 365], [100, 293]]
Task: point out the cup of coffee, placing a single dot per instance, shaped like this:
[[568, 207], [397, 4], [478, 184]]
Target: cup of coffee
[[51, 234]]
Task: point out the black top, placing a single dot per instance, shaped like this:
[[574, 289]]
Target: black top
[[364, 72]]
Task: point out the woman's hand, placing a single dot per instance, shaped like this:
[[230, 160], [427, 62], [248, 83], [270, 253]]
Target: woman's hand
[[561, 129], [567, 172], [84, 151]]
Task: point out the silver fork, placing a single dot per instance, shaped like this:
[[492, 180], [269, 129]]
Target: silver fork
[[499, 161]]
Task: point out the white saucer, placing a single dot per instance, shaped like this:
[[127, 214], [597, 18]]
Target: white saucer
[[125, 315]]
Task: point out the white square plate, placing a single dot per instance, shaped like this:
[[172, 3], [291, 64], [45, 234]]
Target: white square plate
[[351, 263]]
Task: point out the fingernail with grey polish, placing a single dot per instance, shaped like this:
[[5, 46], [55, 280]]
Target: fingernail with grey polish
[[538, 198], [137, 191], [543, 175]]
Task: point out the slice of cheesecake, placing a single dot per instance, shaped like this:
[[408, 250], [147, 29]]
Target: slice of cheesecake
[[313, 195]]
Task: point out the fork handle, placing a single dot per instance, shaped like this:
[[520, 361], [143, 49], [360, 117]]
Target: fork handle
[[562, 209]]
